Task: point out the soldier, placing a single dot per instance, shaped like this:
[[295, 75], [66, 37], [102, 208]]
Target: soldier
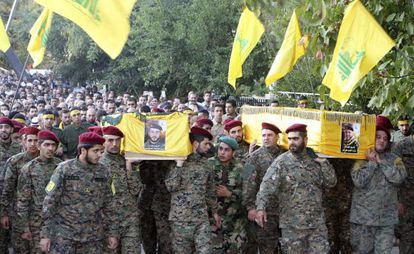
[[297, 179], [235, 130], [374, 209], [229, 185], [71, 134], [403, 130], [128, 185], [8, 200], [154, 140], [8, 148], [31, 189], [192, 194], [405, 150], [78, 209], [46, 121], [206, 124], [265, 239]]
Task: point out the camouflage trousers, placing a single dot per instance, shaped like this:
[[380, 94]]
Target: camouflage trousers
[[231, 237], [309, 241], [191, 237], [4, 240], [406, 231], [161, 208], [264, 239], [129, 238], [371, 239], [20, 245], [61, 245]]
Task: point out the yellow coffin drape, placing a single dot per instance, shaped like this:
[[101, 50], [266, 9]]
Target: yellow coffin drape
[[325, 129]]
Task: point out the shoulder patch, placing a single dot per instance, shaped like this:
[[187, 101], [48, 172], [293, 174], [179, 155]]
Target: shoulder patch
[[50, 186], [358, 164], [398, 162]]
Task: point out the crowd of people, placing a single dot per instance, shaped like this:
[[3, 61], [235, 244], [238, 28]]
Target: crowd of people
[[67, 188]]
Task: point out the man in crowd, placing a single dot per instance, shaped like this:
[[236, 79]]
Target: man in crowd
[[8, 199], [79, 199], [66, 119], [31, 185], [303, 102], [403, 130], [191, 185], [374, 211], [154, 139], [297, 179], [234, 129], [231, 107], [263, 239], [218, 128]]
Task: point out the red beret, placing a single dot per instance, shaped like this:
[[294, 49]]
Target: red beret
[[200, 131], [91, 138], [96, 129], [271, 127], [227, 121], [157, 110], [17, 126], [47, 135], [29, 131], [5, 120], [204, 121], [297, 127], [112, 130], [384, 124], [231, 124]]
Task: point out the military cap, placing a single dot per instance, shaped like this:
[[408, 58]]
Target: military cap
[[303, 99], [229, 141], [90, 138], [47, 135], [231, 124], [272, 127], [157, 110], [20, 118], [297, 127], [96, 129], [29, 131], [113, 131], [348, 126], [200, 132], [155, 126], [5, 120], [203, 121], [403, 119]]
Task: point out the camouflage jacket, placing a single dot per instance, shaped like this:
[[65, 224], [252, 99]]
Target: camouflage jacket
[[192, 190], [374, 199], [405, 150], [13, 169], [31, 185], [126, 185], [7, 150], [256, 166], [243, 151], [397, 136], [78, 204], [231, 177], [297, 180]]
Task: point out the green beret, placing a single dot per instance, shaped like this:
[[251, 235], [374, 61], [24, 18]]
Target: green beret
[[229, 141]]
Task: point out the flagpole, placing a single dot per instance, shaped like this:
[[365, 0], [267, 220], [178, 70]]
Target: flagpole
[[20, 78], [11, 14]]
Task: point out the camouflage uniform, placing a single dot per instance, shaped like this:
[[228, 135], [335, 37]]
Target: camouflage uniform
[[78, 208], [231, 210], [127, 187], [374, 203], [192, 194], [337, 205], [405, 150], [241, 153], [31, 185], [297, 180], [217, 130], [8, 198], [7, 150], [265, 239], [397, 136]]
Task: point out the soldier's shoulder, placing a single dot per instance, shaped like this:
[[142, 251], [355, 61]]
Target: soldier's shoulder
[[57, 160], [255, 153], [359, 164], [17, 157], [67, 165]]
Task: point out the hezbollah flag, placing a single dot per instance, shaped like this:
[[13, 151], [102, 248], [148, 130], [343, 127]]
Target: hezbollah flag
[[40, 32], [360, 46], [105, 21], [248, 34], [293, 47], [4, 39]]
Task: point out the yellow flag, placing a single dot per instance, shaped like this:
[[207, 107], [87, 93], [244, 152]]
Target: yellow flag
[[248, 34], [293, 47], [105, 21], [4, 39], [40, 32], [360, 46]]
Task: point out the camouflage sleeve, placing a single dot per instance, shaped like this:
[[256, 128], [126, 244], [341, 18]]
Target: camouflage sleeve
[[328, 174], [23, 197], [269, 186], [173, 181], [397, 148], [362, 172], [52, 198], [110, 218], [211, 193], [134, 181], [10, 182], [237, 191], [250, 186], [394, 171]]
